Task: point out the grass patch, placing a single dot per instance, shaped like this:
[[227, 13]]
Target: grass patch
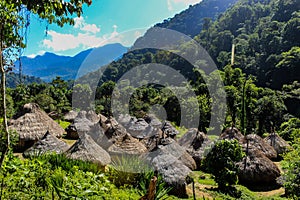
[[63, 124]]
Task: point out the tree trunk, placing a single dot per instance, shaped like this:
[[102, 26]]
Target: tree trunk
[[3, 105], [151, 191]]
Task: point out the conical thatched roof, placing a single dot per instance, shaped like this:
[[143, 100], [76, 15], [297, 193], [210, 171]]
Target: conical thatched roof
[[80, 125], [173, 171], [195, 142], [256, 168], [141, 129], [33, 123], [48, 144], [153, 121], [92, 116], [126, 144], [169, 130], [70, 116], [87, 149], [126, 120], [256, 142], [278, 143], [232, 133], [170, 146]]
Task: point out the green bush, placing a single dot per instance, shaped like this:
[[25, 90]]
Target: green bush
[[291, 167], [220, 162]]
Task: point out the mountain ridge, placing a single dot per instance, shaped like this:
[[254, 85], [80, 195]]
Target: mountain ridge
[[49, 65]]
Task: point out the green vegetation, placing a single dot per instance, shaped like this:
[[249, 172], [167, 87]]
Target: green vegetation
[[56, 177], [291, 167], [261, 85], [220, 162]]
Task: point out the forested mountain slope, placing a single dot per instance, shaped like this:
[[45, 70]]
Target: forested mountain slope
[[266, 37]]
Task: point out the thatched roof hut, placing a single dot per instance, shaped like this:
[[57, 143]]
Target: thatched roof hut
[[87, 149], [126, 120], [141, 129], [153, 121], [174, 172], [256, 142], [278, 143], [70, 116], [48, 144], [195, 143], [92, 116], [32, 124], [169, 130], [80, 125], [256, 169], [126, 144], [232, 133]]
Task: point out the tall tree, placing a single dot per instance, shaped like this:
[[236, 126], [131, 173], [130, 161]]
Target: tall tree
[[14, 18]]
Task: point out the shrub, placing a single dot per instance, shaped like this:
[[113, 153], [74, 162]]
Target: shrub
[[291, 167], [220, 162]]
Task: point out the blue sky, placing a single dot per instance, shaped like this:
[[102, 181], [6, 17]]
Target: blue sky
[[105, 21]]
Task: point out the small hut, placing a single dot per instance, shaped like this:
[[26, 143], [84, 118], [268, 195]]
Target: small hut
[[31, 124], [87, 149], [232, 133], [256, 142], [92, 116], [140, 129], [48, 144], [256, 169], [169, 130], [153, 121], [195, 143], [70, 116], [80, 125], [126, 144], [278, 143]]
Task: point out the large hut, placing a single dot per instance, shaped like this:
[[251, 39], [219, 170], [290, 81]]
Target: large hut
[[48, 144], [174, 172], [256, 142], [257, 170], [195, 143], [87, 149], [31, 124], [278, 143]]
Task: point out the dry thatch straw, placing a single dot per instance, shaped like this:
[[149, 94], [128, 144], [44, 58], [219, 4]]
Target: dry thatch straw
[[70, 116], [232, 133], [32, 124], [173, 171], [126, 144], [80, 125], [195, 143], [92, 116], [87, 149], [48, 144], [278, 143], [258, 143], [257, 169]]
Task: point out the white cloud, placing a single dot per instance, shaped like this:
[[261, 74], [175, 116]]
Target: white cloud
[[85, 38], [186, 2], [62, 42], [40, 53], [82, 25]]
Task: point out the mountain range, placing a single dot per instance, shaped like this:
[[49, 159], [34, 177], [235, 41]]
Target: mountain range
[[50, 65]]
